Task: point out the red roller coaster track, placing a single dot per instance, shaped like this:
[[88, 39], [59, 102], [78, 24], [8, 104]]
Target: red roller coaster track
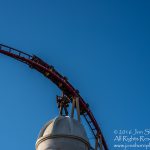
[[63, 84]]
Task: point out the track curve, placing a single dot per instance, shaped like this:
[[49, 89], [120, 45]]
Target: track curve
[[59, 80]]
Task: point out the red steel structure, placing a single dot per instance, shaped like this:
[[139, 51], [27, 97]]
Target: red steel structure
[[62, 83]]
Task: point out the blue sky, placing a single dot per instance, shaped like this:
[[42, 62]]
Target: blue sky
[[103, 47]]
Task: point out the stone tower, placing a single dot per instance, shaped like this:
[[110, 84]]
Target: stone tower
[[63, 133]]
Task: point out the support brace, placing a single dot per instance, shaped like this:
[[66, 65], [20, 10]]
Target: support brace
[[75, 103], [98, 141]]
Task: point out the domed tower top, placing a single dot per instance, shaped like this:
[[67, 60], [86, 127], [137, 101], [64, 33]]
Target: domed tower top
[[63, 133]]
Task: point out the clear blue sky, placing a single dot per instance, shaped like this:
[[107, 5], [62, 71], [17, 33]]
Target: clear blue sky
[[102, 46]]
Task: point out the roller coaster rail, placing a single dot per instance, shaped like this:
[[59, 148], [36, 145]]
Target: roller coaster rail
[[62, 83]]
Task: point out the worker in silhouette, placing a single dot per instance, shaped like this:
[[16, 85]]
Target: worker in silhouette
[[63, 103]]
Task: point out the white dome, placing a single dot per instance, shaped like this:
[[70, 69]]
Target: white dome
[[65, 126], [62, 133]]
